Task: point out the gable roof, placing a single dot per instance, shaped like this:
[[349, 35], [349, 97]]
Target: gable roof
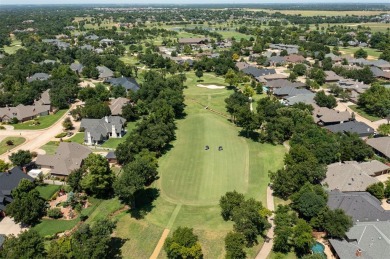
[[294, 58], [68, 157], [361, 206], [22, 112], [348, 177], [255, 72], [126, 82], [99, 128], [372, 238], [326, 115], [283, 83], [242, 65], [380, 144], [290, 91], [45, 98], [301, 98], [104, 72], [38, 76], [361, 128], [117, 104], [76, 67], [192, 40], [332, 76], [380, 73]]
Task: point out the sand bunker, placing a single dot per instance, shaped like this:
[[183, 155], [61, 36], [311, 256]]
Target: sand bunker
[[212, 86]]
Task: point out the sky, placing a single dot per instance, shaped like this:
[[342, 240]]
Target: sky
[[183, 1]]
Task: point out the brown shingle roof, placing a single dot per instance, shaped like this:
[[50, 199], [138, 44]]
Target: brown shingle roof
[[380, 144]]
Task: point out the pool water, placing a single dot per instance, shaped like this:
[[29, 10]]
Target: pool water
[[318, 248]]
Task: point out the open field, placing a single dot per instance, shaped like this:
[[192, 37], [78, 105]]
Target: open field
[[193, 179], [372, 53], [375, 26], [44, 122], [16, 142], [15, 45], [318, 12]]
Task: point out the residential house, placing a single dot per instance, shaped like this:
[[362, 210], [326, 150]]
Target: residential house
[[8, 181], [44, 100], [271, 77], [360, 128], [324, 116], [379, 73], [242, 65], [300, 98], [381, 146], [60, 44], [334, 57], [361, 206], [276, 61], [128, 83], [355, 88], [352, 176], [38, 76], [92, 37], [48, 61], [69, 156], [106, 42], [117, 104], [97, 131], [87, 47], [366, 240], [77, 67], [23, 113], [289, 91], [332, 77], [257, 73], [105, 72], [111, 157], [279, 83], [294, 58]]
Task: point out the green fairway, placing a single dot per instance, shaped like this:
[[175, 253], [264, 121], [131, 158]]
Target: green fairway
[[197, 176], [16, 142], [44, 122]]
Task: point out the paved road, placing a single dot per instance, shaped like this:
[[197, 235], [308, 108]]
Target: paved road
[[34, 138], [267, 246]]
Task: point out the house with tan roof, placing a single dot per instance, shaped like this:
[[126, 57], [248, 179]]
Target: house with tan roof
[[325, 116], [117, 104], [193, 41], [294, 58], [68, 157], [381, 146]]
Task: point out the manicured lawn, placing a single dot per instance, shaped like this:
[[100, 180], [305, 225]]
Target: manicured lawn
[[371, 52], [357, 109], [44, 122], [15, 45], [104, 209], [48, 190], [78, 138], [16, 142], [274, 255], [53, 226], [50, 147]]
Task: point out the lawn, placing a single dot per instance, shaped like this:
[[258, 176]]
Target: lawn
[[52, 226], [371, 52], [15, 45], [78, 138], [50, 147], [114, 142], [44, 122], [319, 12], [193, 179], [47, 191], [361, 112], [16, 142]]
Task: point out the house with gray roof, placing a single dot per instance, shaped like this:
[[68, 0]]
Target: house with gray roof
[[69, 156], [289, 91], [380, 145], [87, 47], [279, 83], [365, 240], [379, 73], [324, 116], [361, 206], [76, 67], [92, 37], [97, 131], [271, 77], [38, 76], [352, 176], [130, 84], [300, 98], [107, 42], [331, 77], [117, 104], [105, 72], [23, 112], [8, 181], [256, 72], [45, 98], [358, 127], [276, 61], [60, 44]]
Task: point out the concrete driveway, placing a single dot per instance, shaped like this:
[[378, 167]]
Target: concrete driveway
[[8, 227]]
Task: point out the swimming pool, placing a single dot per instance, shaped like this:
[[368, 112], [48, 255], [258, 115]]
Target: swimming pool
[[318, 248]]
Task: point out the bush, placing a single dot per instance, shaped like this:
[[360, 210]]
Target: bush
[[54, 213], [2, 127], [61, 135], [34, 154], [55, 195], [83, 217], [9, 142]]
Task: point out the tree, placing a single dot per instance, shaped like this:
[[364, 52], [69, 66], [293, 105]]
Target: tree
[[21, 158], [283, 53], [74, 179], [234, 246], [248, 91], [67, 124], [98, 177], [231, 78], [324, 100], [230, 201], [299, 69], [4, 166], [28, 244], [387, 189], [384, 129], [183, 244], [353, 148], [93, 241], [302, 238], [235, 102], [130, 112], [377, 190], [293, 76], [335, 222], [199, 73], [318, 75], [385, 54], [360, 53], [376, 100], [144, 164], [247, 120], [27, 206], [309, 204]]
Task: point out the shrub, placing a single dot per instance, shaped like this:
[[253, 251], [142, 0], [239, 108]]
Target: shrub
[[83, 217], [2, 127], [34, 154], [61, 135], [9, 142], [54, 213]]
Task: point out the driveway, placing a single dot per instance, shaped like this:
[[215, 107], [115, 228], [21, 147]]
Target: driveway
[[8, 227]]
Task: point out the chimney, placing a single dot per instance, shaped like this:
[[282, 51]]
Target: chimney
[[358, 253], [89, 138], [114, 135], [106, 119], [24, 169]]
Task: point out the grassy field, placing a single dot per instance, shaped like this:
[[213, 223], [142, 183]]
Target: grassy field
[[52, 226], [372, 53], [192, 179], [357, 109], [44, 122], [78, 138], [15, 45], [47, 191], [50, 147], [114, 142], [16, 140]]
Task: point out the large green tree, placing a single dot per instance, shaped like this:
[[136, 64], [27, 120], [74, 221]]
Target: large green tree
[[183, 244], [234, 246], [230, 201], [27, 245], [21, 158]]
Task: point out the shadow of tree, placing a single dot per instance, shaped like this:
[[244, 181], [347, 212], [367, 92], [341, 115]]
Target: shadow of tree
[[144, 202], [116, 244]]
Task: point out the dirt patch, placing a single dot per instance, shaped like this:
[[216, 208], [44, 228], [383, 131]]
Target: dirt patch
[[211, 86], [160, 244]]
